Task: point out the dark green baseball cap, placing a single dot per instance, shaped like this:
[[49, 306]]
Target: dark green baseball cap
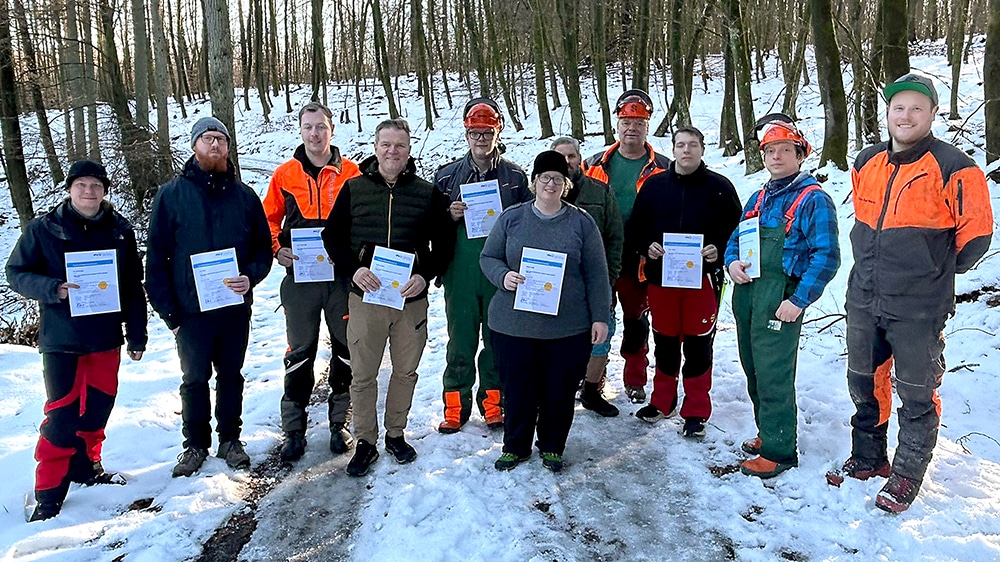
[[912, 82]]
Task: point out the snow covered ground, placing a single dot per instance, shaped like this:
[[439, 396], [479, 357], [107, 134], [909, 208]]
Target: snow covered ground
[[631, 491]]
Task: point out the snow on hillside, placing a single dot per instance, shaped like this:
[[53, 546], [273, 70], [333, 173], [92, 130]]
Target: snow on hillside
[[631, 491]]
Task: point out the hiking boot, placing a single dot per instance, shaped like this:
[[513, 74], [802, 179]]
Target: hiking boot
[[449, 426], [508, 461], [233, 453], [365, 455], [694, 428], [649, 413], [495, 422], [293, 446], [189, 461], [45, 510], [592, 400], [552, 461], [636, 394], [403, 452], [763, 468], [897, 494], [340, 438], [858, 469], [751, 446]]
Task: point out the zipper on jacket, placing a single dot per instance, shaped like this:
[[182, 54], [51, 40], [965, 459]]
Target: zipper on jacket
[[388, 241], [878, 233], [959, 198], [895, 208]]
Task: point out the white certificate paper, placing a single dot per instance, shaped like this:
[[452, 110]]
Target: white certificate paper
[[682, 260], [543, 272], [314, 263], [97, 275], [749, 237], [483, 200], [211, 271], [393, 270]]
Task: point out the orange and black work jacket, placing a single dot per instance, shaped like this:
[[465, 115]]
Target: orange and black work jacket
[[296, 199], [922, 215], [597, 167]]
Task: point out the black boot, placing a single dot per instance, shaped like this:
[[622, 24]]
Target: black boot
[[592, 400]]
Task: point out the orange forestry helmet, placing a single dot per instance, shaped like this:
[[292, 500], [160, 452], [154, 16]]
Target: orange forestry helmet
[[777, 127], [483, 113], [634, 103]]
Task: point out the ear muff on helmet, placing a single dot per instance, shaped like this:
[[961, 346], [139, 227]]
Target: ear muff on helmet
[[482, 114], [634, 103], [780, 127]]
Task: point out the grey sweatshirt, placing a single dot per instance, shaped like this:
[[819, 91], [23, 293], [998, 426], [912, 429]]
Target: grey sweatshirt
[[586, 297]]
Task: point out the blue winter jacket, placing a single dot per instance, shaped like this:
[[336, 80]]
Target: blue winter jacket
[[812, 250]]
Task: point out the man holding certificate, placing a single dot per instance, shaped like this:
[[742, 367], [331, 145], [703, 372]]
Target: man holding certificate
[[546, 259], [681, 222], [797, 254], [80, 262], [298, 201], [479, 185], [386, 234], [209, 245]]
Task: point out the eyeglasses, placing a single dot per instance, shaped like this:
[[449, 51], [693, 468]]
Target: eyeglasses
[[488, 135], [557, 181], [209, 140]]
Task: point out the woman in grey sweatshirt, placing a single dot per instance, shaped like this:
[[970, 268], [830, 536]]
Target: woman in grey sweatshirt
[[542, 342]]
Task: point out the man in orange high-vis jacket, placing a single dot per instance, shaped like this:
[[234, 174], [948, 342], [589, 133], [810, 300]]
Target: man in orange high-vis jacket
[[625, 166], [301, 196], [923, 214]]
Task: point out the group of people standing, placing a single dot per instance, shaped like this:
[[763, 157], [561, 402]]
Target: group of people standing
[[530, 298]]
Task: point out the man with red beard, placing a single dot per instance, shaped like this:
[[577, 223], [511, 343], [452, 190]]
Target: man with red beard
[[207, 209]]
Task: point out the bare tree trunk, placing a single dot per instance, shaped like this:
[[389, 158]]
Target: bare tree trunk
[[729, 131], [441, 42], [318, 68], [272, 50], [260, 73], [17, 173], [496, 55], [831, 85], [420, 45], [538, 57], [28, 50], [219, 44], [246, 55], [160, 71], [567, 10], [90, 84], [640, 61], [179, 63], [956, 40], [991, 83], [741, 65], [600, 40], [140, 61], [74, 81], [474, 35], [288, 70], [680, 102], [382, 58], [895, 50]]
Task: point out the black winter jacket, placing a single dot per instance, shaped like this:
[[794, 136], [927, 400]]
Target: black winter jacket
[[702, 202], [198, 212], [37, 267], [412, 216], [511, 178]]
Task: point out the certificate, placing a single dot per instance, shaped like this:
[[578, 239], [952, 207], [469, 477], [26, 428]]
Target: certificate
[[393, 270], [682, 260], [543, 273], [314, 263], [211, 271], [97, 275], [749, 238], [483, 200]]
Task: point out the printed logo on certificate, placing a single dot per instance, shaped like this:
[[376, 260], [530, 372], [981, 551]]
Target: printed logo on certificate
[[313, 265], [748, 234], [97, 275], [483, 207], [212, 272], [543, 272], [682, 261], [393, 269]]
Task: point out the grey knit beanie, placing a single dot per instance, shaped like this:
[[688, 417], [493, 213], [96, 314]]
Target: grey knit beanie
[[206, 124]]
